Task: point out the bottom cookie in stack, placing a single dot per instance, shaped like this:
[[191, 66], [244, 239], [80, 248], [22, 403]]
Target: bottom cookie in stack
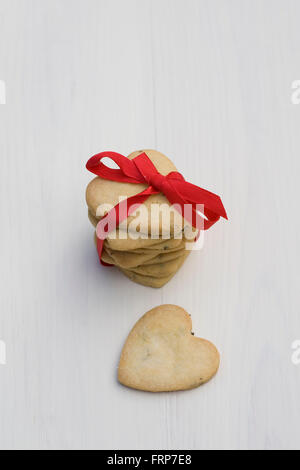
[[148, 266], [153, 281]]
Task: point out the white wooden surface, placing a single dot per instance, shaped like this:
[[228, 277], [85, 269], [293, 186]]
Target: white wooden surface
[[207, 82]]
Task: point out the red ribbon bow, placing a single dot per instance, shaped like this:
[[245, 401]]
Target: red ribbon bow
[[140, 170]]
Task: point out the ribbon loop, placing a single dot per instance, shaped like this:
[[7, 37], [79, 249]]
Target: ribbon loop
[[127, 172]]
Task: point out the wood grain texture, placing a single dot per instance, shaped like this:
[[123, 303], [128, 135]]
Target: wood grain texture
[[207, 82]]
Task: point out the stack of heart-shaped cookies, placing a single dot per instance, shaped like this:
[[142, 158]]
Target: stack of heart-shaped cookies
[[154, 243]]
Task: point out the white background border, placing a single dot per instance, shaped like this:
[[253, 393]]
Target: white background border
[[209, 84]]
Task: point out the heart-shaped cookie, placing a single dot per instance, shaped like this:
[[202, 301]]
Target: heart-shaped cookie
[[162, 355]]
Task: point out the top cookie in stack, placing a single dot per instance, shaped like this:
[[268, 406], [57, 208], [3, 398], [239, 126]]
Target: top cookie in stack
[[150, 247]]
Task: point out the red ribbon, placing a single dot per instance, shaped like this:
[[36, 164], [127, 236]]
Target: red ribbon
[[140, 170]]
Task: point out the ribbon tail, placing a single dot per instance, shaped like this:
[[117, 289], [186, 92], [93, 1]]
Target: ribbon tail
[[212, 210], [197, 195], [100, 244]]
